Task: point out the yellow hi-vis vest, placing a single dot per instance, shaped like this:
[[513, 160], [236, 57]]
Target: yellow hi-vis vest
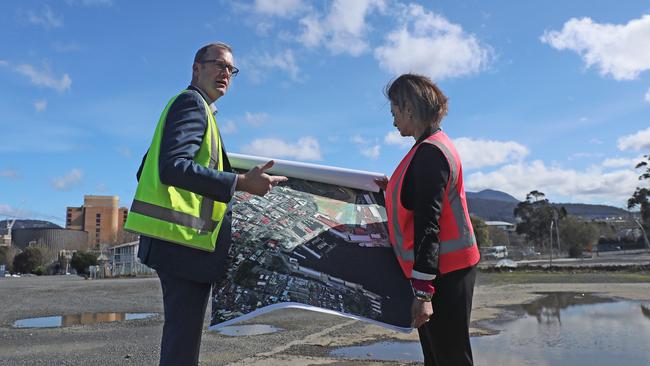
[[171, 213]]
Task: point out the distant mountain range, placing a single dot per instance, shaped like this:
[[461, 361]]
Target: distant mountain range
[[27, 224], [494, 205], [490, 194], [488, 204]]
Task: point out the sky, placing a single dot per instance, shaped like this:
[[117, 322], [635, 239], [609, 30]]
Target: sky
[[551, 96]]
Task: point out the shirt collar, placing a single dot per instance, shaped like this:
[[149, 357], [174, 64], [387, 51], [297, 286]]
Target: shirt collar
[[428, 132], [212, 105]]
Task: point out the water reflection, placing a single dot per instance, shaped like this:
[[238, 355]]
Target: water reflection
[[559, 329], [248, 330], [79, 319], [548, 308], [570, 329], [645, 310], [385, 351]]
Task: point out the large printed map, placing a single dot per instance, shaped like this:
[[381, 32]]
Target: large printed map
[[313, 245]]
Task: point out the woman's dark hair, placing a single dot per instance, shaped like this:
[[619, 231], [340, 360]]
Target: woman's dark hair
[[427, 102]]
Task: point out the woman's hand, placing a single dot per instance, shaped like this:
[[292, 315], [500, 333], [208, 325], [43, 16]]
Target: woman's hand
[[421, 311], [382, 182]]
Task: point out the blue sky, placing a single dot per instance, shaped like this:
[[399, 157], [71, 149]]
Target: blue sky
[[552, 96]]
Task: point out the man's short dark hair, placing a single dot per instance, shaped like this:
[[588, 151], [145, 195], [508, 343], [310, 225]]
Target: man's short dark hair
[[203, 50]]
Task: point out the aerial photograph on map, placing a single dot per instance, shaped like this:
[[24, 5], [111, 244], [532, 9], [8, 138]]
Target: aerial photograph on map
[[317, 244]]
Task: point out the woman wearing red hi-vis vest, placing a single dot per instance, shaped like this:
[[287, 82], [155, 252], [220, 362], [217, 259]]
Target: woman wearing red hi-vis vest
[[429, 224]]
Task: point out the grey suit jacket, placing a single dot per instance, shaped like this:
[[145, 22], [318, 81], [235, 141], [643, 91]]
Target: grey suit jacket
[[182, 136]]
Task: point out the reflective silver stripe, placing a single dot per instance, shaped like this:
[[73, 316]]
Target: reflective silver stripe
[[422, 276], [405, 255], [171, 216], [453, 167], [466, 238]]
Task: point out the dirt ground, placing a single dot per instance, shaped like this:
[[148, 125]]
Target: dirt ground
[[306, 337]]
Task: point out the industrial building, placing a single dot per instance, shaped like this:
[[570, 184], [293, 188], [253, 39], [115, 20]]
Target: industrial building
[[100, 216]]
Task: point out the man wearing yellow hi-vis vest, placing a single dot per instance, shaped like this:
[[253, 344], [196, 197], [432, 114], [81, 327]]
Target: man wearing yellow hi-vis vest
[[181, 206]]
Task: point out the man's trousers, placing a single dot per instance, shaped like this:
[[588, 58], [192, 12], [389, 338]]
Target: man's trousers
[[185, 302]]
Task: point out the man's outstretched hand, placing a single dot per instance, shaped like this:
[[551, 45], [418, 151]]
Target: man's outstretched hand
[[257, 182]]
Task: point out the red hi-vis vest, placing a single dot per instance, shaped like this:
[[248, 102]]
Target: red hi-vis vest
[[458, 248]]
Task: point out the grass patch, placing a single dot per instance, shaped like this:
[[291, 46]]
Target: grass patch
[[524, 277]]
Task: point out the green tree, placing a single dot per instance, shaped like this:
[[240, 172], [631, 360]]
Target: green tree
[[498, 236], [82, 260], [641, 196], [577, 234], [7, 255], [536, 215], [481, 232], [28, 260]]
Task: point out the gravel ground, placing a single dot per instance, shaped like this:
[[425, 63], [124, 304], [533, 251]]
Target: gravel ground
[[306, 338]]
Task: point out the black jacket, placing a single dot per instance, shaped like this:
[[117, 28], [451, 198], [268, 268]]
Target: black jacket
[[182, 136], [422, 191]]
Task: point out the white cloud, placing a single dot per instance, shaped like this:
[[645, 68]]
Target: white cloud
[[228, 128], [592, 185], [9, 173], [258, 66], [344, 29], [371, 151], [621, 162], [484, 153], [429, 44], [357, 139], [71, 179], [647, 96], [365, 147], [312, 32], [46, 18], [256, 119], [280, 8], [394, 138], [44, 77], [618, 50], [40, 105], [7, 210], [639, 141], [585, 155], [307, 148]]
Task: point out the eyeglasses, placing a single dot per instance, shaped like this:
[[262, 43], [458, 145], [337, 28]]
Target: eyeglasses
[[221, 66]]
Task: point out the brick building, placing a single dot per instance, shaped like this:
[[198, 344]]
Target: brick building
[[100, 216]]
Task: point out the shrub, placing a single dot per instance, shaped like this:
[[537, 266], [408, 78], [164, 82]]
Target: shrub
[[575, 251], [28, 260], [82, 260], [7, 255]]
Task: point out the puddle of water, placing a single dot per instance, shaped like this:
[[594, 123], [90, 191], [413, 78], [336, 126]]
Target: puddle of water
[[559, 329], [570, 329], [387, 351], [248, 330], [77, 319]]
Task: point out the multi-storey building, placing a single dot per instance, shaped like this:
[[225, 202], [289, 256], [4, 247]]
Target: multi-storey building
[[100, 216]]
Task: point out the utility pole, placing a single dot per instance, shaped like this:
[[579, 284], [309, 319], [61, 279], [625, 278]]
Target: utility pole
[[550, 246], [557, 232]]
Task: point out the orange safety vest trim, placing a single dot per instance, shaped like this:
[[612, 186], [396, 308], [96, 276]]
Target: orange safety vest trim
[[458, 247]]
